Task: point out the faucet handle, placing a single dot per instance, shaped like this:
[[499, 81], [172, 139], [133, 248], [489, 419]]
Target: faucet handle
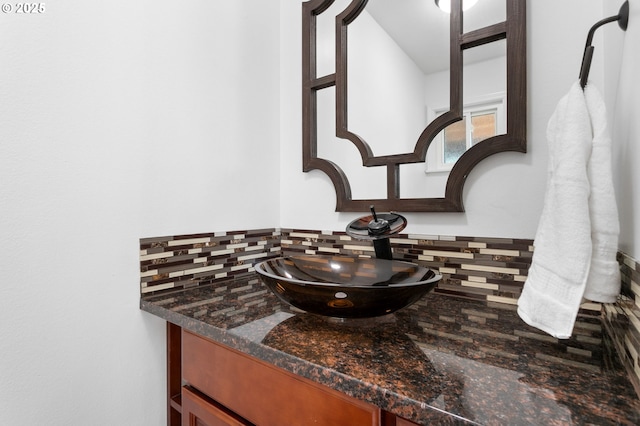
[[373, 213], [377, 226]]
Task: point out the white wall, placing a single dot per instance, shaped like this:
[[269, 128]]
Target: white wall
[[120, 120], [503, 194], [626, 130]]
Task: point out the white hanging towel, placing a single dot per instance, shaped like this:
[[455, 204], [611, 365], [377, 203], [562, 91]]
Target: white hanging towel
[[577, 237]]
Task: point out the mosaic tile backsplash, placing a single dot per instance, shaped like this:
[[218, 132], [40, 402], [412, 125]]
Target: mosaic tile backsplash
[[622, 319], [184, 261], [488, 269]]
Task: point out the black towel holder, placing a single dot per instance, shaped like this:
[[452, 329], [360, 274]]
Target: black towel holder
[[622, 18]]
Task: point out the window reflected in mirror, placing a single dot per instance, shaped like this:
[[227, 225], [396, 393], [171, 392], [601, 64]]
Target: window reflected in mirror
[[454, 143], [479, 122]]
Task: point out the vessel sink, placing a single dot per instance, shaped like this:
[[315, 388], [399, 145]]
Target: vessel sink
[[346, 287]]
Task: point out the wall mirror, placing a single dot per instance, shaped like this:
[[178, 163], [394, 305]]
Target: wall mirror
[[402, 99]]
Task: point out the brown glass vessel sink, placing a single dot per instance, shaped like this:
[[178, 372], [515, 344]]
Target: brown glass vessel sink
[[346, 287]]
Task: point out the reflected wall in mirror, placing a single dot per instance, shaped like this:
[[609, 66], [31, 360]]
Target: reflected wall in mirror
[[399, 103]]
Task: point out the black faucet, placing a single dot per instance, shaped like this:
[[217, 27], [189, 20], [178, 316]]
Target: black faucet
[[378, 228]]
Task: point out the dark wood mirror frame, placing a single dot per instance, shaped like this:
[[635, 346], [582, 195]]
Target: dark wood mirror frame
[[513, 29]]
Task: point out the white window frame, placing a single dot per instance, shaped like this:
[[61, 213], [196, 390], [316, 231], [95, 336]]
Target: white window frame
[[490, 102]]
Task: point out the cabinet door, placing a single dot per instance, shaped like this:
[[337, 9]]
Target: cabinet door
[[265, 394], [198, 410]]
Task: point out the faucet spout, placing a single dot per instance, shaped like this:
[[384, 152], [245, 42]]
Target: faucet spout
[[382, 248]]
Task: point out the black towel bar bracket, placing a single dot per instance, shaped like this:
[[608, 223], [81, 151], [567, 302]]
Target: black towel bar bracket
[[622, 18]]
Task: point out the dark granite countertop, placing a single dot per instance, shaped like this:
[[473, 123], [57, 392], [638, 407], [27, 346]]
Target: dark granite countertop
[[441, 361]]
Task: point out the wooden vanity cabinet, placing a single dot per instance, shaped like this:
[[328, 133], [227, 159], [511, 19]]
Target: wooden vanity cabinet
[[222, 386]]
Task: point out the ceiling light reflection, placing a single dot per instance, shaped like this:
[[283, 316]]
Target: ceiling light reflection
[[445, 5]]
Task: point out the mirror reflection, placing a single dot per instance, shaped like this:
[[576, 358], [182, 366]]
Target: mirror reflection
[[483, 116], [392, 61], [398, 82], [483, 14], [398, 52]]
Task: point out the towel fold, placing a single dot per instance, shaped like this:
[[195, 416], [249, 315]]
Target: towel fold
[[603, 282], [577, 237]]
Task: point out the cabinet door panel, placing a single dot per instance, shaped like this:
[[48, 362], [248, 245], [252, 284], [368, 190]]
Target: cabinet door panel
[[264, 394], [197, 410]]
